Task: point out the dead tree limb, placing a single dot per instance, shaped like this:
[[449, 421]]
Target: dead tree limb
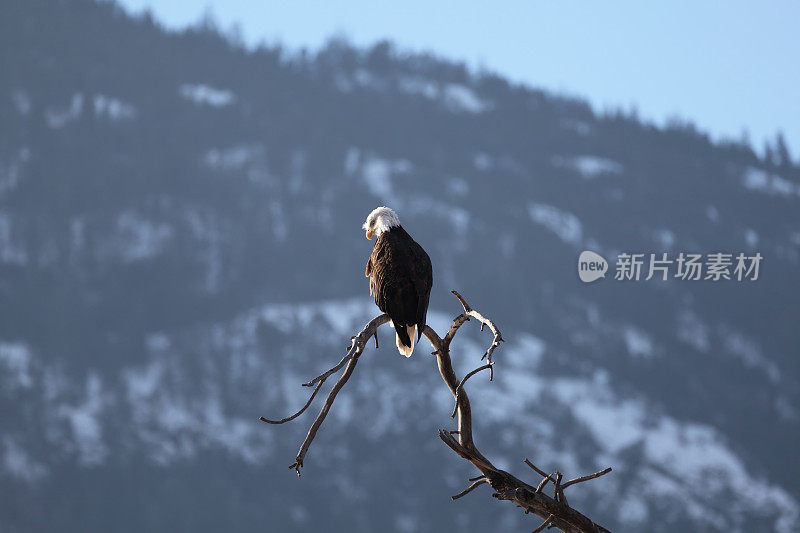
[[461, 384], [544, 524], [555, 512], [586, 478], [357, 344], [538, 471], [478, 482]]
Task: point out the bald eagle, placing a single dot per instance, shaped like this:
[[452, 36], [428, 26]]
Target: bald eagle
[[400, 276]]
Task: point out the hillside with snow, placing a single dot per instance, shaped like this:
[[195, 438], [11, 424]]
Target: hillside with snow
[[180, 248]]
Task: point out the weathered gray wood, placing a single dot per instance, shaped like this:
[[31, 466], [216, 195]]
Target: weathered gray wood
[[555, 512]]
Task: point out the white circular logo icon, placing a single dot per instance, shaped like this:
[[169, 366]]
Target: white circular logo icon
[[591, 266]]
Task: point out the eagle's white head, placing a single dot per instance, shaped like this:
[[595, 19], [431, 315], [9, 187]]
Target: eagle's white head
[[380, 220]]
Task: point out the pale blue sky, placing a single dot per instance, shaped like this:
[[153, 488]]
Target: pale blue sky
[[728, 66]]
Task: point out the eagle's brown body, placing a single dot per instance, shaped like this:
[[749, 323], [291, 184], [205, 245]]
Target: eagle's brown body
[[400, 279]]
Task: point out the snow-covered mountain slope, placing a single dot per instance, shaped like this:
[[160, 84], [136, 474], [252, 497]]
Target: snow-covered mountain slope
[[180, 248], [575, 423]]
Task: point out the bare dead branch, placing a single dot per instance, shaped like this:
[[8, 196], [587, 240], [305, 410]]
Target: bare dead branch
[[325, 375], [506, 486], [586, 478], [556, 484], [357, 344], [464, 303], [558, 491], [470, 312], [457, 323], [461, 384], [538, 471], [298, 413], [544, 524], [469, 489], [542, 483], [555, 512]]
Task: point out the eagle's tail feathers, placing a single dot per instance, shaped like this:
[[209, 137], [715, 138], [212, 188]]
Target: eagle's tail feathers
[[401, 345]]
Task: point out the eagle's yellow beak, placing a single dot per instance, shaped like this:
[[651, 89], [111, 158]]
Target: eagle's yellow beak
[[369, 234]]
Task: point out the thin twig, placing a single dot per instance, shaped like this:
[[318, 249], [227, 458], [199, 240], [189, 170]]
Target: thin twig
[[544, 482], [451, 332], [461, 384], [544, 524], [325, 375], [558, 490], [538, 471], [586, 478], [556, 483], [469, 489], [298, 413], [464, 303], [468, 313]]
